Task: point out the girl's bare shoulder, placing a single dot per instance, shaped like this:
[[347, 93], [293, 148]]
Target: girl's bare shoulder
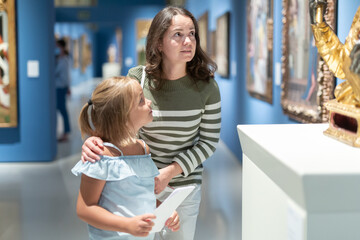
[[140, 143], [111, 152]]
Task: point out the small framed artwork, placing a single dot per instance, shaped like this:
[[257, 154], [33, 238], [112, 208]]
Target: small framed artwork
[[212, 47], [203, 32], [8, 65], [83, 54], [222, 44], [76, 53], [142, 29], [88, 54], [259, 65], [307, 82], [119, 40], [68, 42]]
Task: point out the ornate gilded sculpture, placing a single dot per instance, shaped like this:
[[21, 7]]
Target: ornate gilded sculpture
[[343, 60]]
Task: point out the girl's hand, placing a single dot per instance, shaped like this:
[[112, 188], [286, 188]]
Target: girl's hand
[[91, 149], [141, 225], [173, 223]]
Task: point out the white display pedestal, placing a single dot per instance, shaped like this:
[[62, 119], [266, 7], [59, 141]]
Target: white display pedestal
[[298, 184]]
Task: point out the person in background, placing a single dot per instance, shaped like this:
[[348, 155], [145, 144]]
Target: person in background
[[62, 82], [116, 195], [179, 80]]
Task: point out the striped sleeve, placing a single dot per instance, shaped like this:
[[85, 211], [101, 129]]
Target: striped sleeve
[[209, 134]]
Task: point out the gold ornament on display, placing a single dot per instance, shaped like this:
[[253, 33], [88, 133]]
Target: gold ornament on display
[[344, 61]]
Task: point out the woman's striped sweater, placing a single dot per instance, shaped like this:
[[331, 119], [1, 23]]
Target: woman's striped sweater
[[186, 125]]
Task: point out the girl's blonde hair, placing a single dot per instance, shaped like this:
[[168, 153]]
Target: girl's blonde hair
[[111, 103]]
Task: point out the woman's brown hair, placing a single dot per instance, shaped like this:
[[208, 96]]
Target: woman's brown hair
[[110, 103], [201, 67]]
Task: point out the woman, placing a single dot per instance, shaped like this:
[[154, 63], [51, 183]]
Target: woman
[[178, 79]]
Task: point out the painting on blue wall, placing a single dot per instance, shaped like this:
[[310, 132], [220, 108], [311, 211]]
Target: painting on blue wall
[[8, 65], [212, 45], [75, 53], [142, 29], [307, 82], [85, 53], [203, 32], [259, 49], [222, 44]]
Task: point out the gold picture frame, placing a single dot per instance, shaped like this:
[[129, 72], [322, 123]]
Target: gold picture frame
[[8, 65], [307, 82], [259, 47], [222, 44]]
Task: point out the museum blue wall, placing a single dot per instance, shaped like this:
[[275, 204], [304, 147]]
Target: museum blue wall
[[34, 139]]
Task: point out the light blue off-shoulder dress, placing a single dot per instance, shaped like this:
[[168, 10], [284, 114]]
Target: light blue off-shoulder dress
[[129, 188]]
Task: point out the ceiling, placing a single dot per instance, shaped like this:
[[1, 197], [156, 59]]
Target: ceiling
[[94, 3]]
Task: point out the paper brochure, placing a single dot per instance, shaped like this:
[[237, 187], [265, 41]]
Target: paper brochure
[[164, 211]]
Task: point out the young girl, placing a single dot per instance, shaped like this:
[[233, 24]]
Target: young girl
[[116, 195]]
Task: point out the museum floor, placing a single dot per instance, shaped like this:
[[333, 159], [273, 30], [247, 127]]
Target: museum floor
[[37, 200]]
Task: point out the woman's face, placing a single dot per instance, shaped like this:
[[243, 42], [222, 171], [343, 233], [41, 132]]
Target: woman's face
[[179, 43]]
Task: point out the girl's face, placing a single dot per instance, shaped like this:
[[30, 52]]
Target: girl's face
[[141, 112], [179, 43]]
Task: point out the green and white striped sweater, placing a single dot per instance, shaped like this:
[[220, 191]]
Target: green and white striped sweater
[[186, 125]]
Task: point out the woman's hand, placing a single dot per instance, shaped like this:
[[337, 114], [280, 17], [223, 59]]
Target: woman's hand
[[161, 181], [173, 223], [91, 149], [140, 226], [166, 174]]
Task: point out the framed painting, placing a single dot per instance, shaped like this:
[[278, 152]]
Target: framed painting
[[119, 40], [142, 29], [83, 53], [203, 32], [67, 39], [222, 44], [8, 65], [259, 47], [88, 54], [212, 47], [76, 53], [307, 82]]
